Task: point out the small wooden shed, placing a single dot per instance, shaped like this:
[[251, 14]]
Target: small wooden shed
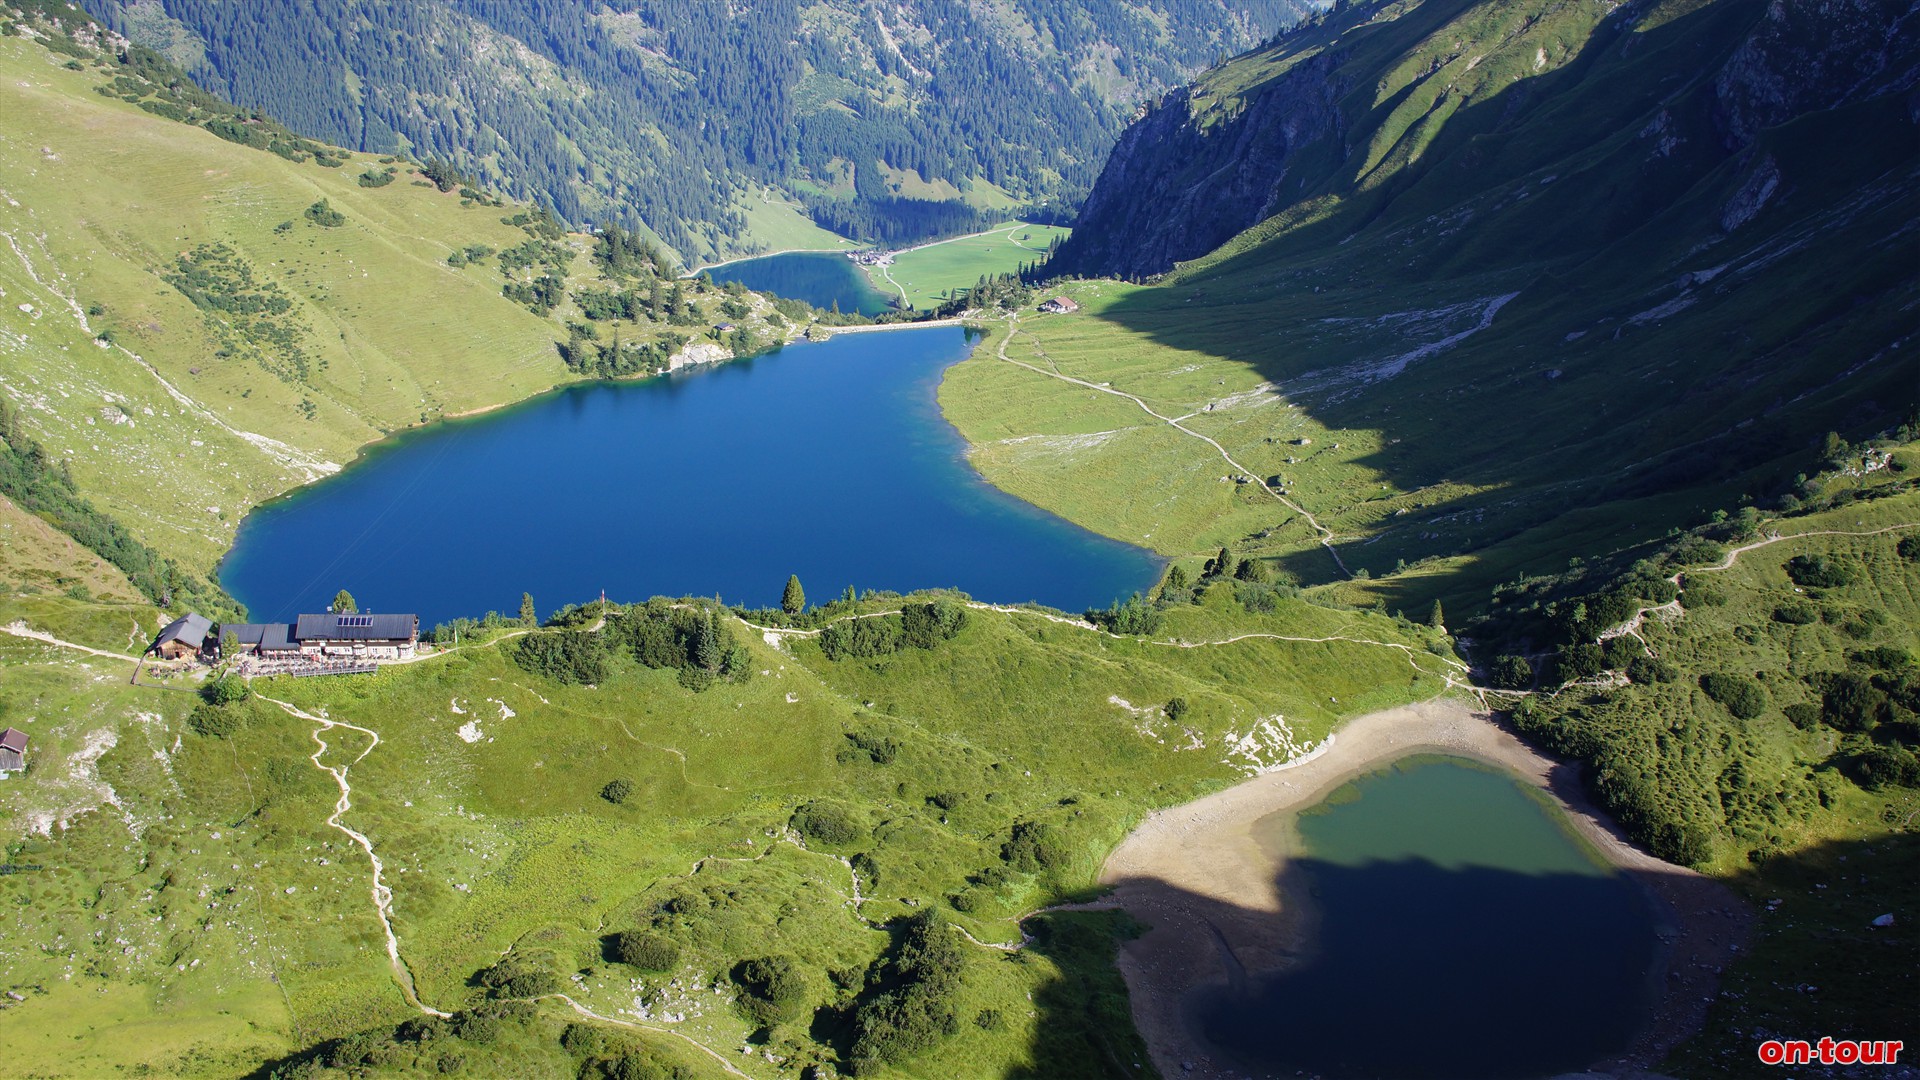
[[13, 750]]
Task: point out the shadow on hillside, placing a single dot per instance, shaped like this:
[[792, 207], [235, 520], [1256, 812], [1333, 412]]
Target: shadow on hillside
[[1413, 970], [1573, 408]]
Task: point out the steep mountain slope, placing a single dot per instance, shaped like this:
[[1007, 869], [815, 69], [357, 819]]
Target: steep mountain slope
[[884, 120], [1377, 115], [1636, 275]]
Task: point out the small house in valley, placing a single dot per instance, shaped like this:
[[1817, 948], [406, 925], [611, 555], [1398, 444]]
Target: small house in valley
[[1060, 305], [184, 637], [13, 751]]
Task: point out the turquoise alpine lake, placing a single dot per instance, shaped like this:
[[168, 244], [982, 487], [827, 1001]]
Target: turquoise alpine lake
[[1451, 924], [829, 460], [821, 278]]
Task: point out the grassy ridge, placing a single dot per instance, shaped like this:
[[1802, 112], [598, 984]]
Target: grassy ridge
[[501, 839]]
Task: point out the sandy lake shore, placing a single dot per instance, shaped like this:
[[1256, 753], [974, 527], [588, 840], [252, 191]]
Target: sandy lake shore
[[1196, 875]]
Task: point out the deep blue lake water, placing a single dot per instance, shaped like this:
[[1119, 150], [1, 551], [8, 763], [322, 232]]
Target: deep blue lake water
[[1455, 928], [830, 460], [821, 278]]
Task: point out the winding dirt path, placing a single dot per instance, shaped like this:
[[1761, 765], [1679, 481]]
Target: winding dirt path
[[772, 632], [1327, 536], [382, 895], [654, 1029], [19, 628]]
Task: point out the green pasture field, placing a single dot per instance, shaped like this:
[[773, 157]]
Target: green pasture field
[[925, 276]]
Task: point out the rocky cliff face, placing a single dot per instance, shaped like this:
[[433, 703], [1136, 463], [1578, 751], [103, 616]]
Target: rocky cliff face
[[1343, 115], [1177, 186]]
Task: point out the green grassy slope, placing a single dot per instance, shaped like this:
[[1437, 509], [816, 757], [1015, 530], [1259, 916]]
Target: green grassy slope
[[203, 898], [925, 276]]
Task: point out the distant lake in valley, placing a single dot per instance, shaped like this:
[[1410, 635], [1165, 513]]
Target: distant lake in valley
[[1452, 926], [830, 460], [821, 278]]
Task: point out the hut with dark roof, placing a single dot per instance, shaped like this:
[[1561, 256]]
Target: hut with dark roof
[[183, 637], [13, 750]]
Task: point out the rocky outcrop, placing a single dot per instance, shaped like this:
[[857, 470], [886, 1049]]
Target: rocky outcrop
[[699, 352], [1806, 57]]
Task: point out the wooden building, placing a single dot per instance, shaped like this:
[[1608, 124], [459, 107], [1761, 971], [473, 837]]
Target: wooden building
[[184, 637], [1060, 305], [268, 640], [13, 750], [373, 637]]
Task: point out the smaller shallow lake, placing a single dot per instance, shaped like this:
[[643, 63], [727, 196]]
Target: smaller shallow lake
[[821, 278], [1454, 926], [830, 460]]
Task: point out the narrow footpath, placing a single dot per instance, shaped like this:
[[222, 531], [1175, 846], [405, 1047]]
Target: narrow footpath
[[1327, 536]]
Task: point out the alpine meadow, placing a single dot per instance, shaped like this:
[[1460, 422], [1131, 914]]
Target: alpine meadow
[[1483, 434]]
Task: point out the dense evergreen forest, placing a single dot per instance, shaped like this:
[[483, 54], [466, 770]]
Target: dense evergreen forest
[[887, 122]]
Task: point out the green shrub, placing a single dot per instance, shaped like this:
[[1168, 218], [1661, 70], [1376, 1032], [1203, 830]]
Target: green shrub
[[1647, 670], [923, 626], [646, 950], [324, 215], [1741, 694], [1803, 715], [1510, 672], [215, 722], [1820, 571], [1620, 651], [1850, 702], [1879, 767], [1034, 846], [922, 980], [1909, 548], [868, 746], [226, 690], [1134, 616], [771, 989], [830, 822], [1796, 612], [617, 790], [566, 656], [1696, 551], [1581, 661]]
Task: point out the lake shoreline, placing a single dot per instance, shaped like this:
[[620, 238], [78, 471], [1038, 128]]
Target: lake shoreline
[[1204, 852]]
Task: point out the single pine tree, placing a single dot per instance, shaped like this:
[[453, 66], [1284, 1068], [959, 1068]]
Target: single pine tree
[[528, 616], [794, 600]]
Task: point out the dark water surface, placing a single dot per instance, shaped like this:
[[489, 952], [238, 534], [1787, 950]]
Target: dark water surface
[[1456, 928], [821, 278], [829, 460]]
